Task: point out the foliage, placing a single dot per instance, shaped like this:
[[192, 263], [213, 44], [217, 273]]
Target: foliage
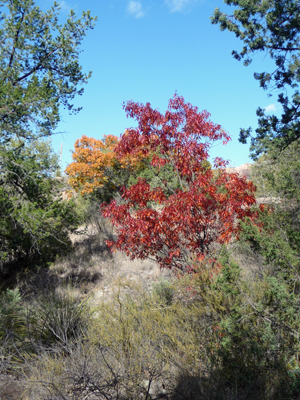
[[39, 73], [48, 324], [278, 240], [127, 352], [156, 177], [98, 171], [96, 168], [165, 291], [12, 316], [15, 339], [273, 27], [34, 219], [60, 317], [278, 243], [206, 208], [221, 337], [278, 178], [39, 67], [257, 336], [273, 307]]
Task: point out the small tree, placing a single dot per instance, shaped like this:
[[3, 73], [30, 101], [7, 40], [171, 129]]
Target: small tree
[[97, 170], [40, 72], [34, 220], [177, 229]]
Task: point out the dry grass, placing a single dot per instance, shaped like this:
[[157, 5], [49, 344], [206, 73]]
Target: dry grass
[[252, 264], [95, 269], [92, 270]]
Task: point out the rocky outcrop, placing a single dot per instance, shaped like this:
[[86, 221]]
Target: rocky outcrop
[[243, 170]]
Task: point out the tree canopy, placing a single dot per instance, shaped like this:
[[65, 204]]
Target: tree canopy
[[97, 170], [205, 209], [271, 26], [39, 74], [40, 68]]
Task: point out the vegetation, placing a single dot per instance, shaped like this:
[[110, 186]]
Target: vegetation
[[35, 221], [40, 70], [97, 170], [98, 325], [271, 26], [40, 73], [176, 230], [215, 337]]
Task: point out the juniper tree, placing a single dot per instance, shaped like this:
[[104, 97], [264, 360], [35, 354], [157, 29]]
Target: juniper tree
[[272, 27], [39, 74]]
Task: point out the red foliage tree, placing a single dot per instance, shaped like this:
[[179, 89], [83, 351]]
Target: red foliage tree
[[177, 229]]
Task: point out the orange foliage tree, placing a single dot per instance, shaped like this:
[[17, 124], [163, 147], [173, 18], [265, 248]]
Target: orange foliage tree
[[179, 229], [97, 166]]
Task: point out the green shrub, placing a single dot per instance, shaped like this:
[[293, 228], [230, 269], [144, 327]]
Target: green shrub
[[219, 338], [165, 291], [12, 315]]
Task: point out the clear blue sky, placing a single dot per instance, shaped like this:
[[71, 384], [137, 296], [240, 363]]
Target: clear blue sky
[[145, 50]]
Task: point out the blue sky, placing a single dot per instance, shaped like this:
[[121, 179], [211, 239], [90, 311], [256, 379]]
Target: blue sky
[[145, 50]]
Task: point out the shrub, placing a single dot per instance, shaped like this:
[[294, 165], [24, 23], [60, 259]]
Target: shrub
[[165, 291], [59, 318]]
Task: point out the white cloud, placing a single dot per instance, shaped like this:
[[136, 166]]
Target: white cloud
[[178, 5], [64, 6], [271, 108], [135, 8]]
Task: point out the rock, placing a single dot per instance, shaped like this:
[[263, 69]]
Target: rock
[[243, 170]]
